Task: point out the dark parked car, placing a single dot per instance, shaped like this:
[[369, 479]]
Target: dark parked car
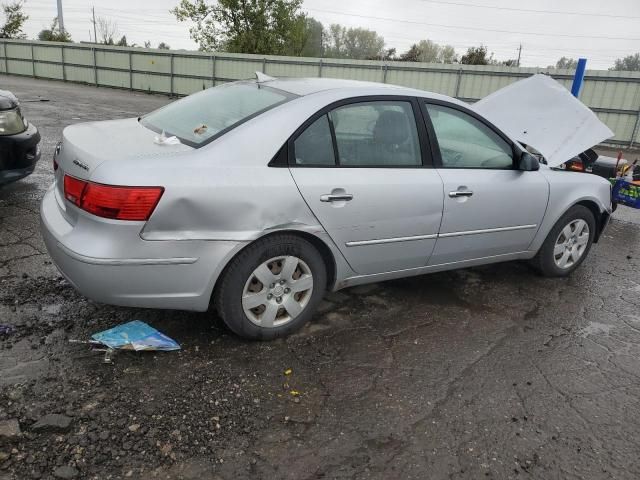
[[19, 150]]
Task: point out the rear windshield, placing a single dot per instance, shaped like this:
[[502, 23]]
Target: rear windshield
[[204, 116]]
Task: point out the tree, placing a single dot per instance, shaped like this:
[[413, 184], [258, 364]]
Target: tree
[[356, 43], [448, 54], [107, 30], [123, 42], [147, 44], [14, 20], [54, 34], [430, 52], [628, 63], [411, 55], [389, 54], [313, 40], [477, 56], [245, 26], [163, 46], [566, 63]]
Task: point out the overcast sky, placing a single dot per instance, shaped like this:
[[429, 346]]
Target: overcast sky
[[547, 29]]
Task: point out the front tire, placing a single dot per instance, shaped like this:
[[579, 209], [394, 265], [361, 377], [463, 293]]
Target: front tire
[[567, 244], [271, 288]]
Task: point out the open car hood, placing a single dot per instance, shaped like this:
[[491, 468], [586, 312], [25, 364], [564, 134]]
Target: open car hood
[[540, 112]]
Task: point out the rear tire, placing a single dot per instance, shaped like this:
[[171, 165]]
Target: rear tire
[[271, 288], [567, 244]]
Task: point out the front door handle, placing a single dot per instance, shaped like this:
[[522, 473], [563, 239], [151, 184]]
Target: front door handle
[[336, 197], [461, 193]]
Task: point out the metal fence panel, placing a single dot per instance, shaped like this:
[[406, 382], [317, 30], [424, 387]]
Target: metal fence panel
[[47, 54], [187, 86], [119, 60], [20, 67], [354, 72], [112, 78], [151, 82], [79, 55], [614, 96], [236, 69], [79, 74], [279, 69], [48, 70], [18, 50]]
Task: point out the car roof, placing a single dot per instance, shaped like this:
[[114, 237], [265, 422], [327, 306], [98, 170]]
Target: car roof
[[309, 86]]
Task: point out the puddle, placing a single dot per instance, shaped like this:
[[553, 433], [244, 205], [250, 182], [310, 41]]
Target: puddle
[[596, 328]]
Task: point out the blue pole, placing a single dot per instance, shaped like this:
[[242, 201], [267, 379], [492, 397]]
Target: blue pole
[[578, 77]]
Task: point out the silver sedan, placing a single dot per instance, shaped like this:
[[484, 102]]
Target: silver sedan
[[257, 197]]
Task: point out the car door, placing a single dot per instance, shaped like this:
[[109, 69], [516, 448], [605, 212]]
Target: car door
[[362, 167], [490, 207]]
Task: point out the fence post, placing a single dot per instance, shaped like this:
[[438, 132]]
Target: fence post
[[458, 81], [320, 68], [264, 66], [33, 63], [213, 70], [130, 71], [171, 61], [64, 72], [95, 66], [634, 134], [384, 74], [6, 63]]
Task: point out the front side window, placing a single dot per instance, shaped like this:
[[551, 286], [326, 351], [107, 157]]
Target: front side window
[[314, 146], [201, 117], [376, 134], [465, 142]]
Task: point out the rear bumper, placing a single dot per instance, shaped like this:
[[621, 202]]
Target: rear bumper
[[19, 154], [152, 274]]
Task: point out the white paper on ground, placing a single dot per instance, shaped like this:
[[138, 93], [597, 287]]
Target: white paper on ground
[[540, 112]]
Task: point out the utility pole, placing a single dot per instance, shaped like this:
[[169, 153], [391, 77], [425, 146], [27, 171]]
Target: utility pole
[[519, 53], [95, 37], [60, 18]]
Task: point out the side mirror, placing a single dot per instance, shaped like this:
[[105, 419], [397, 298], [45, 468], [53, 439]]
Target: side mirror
[[528, 163]]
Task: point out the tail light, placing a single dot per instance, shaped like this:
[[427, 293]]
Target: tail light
[[109, 201]]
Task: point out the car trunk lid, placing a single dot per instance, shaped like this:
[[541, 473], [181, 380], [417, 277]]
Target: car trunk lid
[[540, 112], [86, 146]]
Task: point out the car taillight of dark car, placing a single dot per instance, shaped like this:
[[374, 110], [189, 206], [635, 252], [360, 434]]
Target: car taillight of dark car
[[110, 201]]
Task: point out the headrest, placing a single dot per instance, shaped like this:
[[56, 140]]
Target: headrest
[[391, 128]]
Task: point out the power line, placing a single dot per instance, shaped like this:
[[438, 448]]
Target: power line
[[529, 10], [522, 32]]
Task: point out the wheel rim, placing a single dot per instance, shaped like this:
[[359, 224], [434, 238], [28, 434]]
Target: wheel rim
[[277, 291], [571, 243]]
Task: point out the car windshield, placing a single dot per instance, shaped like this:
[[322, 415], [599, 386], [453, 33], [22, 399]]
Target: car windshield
[[204, 116]]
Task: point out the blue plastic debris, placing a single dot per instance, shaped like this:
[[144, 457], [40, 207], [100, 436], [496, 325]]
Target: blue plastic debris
[[135, 335], [6, 329]]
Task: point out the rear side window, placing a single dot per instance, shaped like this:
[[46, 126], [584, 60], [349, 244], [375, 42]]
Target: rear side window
[[377, 134], [204, 116], [314, 146], [465, 142]]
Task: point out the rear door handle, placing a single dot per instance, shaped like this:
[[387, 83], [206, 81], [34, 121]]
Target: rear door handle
[[461, 193], [336, 197]]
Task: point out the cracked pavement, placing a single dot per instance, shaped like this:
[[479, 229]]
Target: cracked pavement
[[490, 372]]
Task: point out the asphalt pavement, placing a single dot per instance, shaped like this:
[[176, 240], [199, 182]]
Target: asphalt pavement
[[491, 372]]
